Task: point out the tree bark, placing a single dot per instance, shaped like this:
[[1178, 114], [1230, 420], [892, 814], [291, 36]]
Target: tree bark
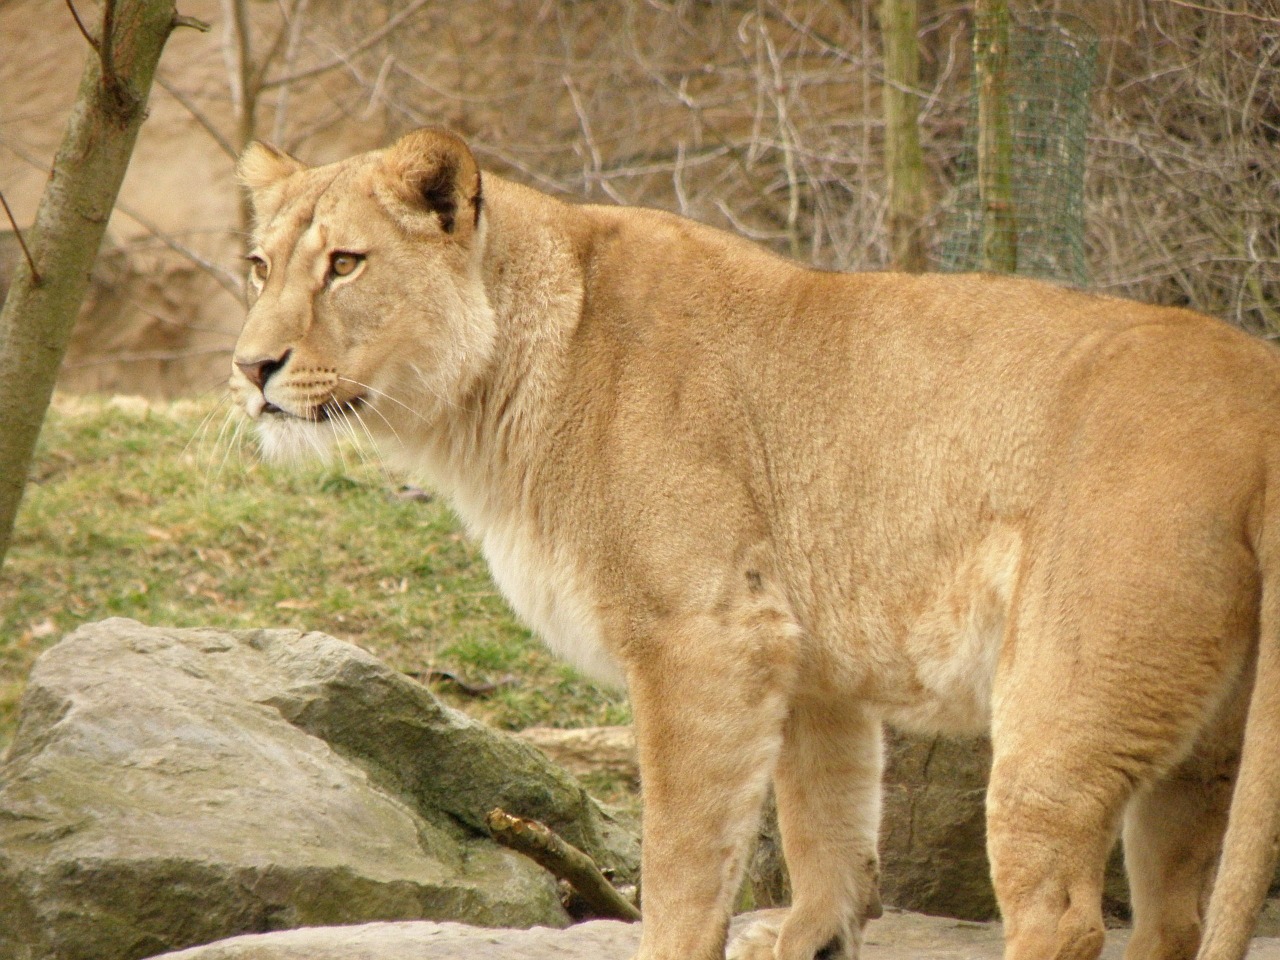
[[904, 159], [995, 141], [44, 298]]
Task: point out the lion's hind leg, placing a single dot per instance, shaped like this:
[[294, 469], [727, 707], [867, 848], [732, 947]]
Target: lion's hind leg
[[1173, 833], [1106, 684], [828, 790], [1049, 830]]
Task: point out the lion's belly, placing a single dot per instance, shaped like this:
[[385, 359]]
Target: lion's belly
[[935, 670], [546, 589]]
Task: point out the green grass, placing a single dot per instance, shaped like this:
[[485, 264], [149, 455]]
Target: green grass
[[137, 510]]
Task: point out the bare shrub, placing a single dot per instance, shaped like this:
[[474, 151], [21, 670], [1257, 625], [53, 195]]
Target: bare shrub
[[1184, 171]]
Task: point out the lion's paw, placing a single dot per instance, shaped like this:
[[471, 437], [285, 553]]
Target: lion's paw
[[757, 942]]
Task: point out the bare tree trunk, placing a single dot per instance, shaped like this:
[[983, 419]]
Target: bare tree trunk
[[995, 141], [903, 157], [244, 78], [40, 310]]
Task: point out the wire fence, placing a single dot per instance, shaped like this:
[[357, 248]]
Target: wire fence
[[1050, 73]]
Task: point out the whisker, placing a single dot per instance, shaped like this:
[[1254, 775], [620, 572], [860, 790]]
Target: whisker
[[320, 452], [386, 396], [441, 398], [350, 431], [394, 432], [337, 443], [376, 453], [202, 428], [225, 442], [236, 443], [341, 418]]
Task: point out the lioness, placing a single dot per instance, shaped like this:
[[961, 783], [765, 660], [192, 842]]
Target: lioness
[[786, 506]]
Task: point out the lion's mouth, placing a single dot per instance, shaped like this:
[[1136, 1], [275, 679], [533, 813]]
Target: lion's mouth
[[322, 413], [337, 408]]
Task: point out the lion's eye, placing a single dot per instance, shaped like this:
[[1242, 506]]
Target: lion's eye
[[259, 267], [342, 264]]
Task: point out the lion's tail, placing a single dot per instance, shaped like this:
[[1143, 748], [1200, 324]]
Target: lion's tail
[[1253, 826]]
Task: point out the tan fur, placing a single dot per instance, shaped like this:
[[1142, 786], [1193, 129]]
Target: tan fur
[[787, 506]]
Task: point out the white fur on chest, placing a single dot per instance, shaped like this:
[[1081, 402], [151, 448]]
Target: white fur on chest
[[544, 587]]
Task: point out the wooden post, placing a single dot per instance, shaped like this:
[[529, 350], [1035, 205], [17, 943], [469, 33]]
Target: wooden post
[[995, 140], [904, 159]]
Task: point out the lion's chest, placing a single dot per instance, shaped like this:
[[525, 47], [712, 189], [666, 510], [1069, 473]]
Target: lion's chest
[[545, 587]]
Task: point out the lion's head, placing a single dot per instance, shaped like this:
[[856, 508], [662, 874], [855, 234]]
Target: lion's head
[[367, 300]]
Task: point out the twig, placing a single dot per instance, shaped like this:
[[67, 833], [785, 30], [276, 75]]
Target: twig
[[84, 32], [344, 58], [181, 20], [143, 356], [469, 689], [259, 72], [1272, 21], [106, 48], [227, 280], [295, 18], [199, 117], [224, 278], [35, 274], [565, 861]]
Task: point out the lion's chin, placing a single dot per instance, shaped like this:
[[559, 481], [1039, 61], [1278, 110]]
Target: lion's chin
[[284, 439]]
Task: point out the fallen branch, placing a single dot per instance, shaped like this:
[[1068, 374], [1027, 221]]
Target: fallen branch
[[566, 862]]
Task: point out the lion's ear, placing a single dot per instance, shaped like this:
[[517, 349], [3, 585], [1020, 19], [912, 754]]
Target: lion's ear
[[434, 171], [262, 166]]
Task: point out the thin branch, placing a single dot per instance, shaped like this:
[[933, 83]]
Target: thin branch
[[223, 276], [181, 20], [144, 356], [296, 19], [35, 274], [563, 860], [199, 117], [107, 48], [238, 50], [1187, 4], [343, 58], [264, 62], [84, 32]]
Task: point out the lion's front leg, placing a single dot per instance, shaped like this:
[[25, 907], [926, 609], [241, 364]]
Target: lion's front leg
[[709, 705], [828, 789]]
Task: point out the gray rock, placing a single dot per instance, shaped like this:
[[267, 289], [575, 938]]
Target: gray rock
[[174, 787], [933, 832], [896, 936]]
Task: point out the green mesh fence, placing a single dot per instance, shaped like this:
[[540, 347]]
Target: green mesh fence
[[1050, 70]]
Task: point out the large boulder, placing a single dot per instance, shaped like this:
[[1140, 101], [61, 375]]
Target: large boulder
[[173, 787]]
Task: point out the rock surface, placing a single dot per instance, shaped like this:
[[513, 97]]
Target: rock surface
[[589, 749], [896, 936], [173, 787], [933, 833]]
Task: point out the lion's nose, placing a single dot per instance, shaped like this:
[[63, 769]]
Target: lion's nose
[[258, 372]]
